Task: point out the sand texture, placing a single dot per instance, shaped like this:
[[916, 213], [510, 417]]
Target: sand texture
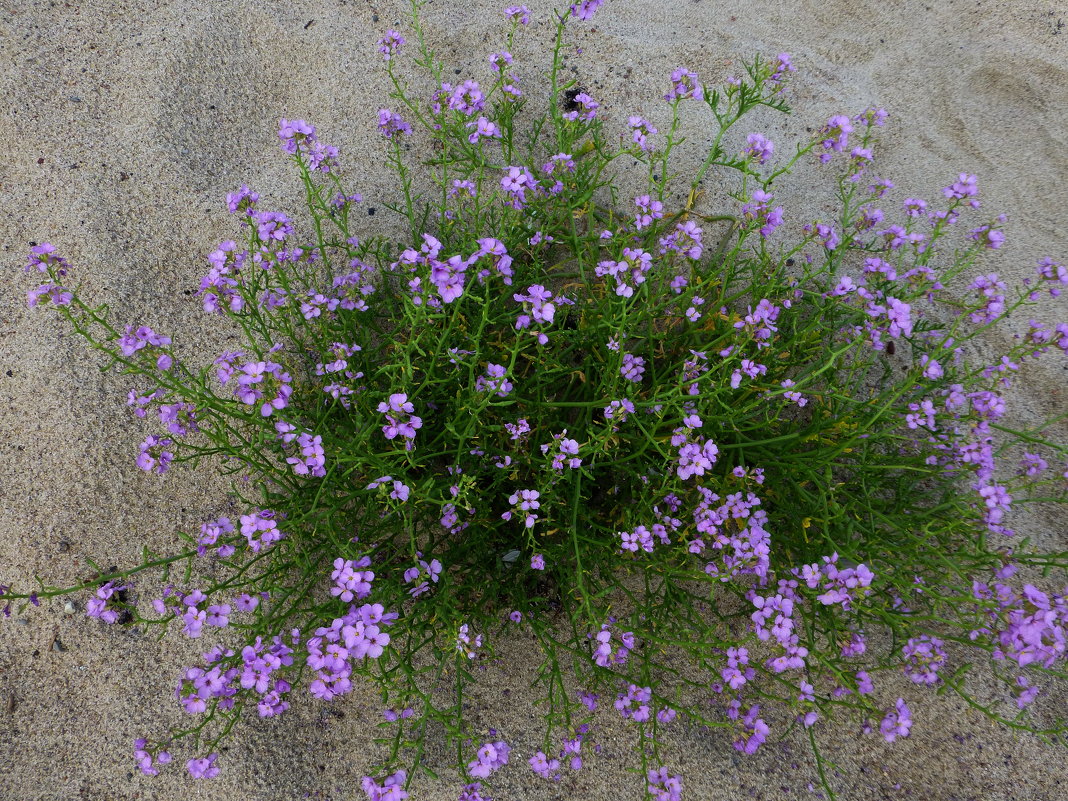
[[125, 123]]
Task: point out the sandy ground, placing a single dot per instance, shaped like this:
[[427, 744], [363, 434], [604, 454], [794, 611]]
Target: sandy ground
[[125, 123]]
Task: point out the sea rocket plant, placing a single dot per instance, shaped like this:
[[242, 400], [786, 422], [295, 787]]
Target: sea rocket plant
[[782, 425]]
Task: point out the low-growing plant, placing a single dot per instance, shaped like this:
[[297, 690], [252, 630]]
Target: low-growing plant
[[753, 443]]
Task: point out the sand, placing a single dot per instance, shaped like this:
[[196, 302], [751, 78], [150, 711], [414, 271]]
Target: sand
[[125, 123]]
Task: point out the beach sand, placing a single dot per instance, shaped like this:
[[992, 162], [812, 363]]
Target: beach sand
[[125, 124]]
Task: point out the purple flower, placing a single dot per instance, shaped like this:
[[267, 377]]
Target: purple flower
[[389, 44], [880, 186], [517, 430], [396, 424], [1027, 695], [498, 61], [391, 124], [633, 367], [218, 615], [204, 767], [758, 147], [466, 644], [297, 136], [932, 370], [869, 218], [144, 759], [316, 302], [695, 459], [915, 207], [350, 579], [921, 415], [897, 723], [991, 289], [490, 758], [648, 210], [210, 532], [684, 85], [1052, 273], [43, 257], [391, 789], [834, 136], [560, 163], [272, 226], [924, 657], [663, 787], [759, 210], [685, 240], [589, 107], [265, 383], [899, 314], [783, 66], [585, 9], [154, 458], [966, 186], [987, 236], [791, 395], [243, 201], [640, 130], [501, 261], [542, 309], [563, 450], [860, 156], [747, 368], [524, 502], [312, 459], [101, 607], [134, 340], [641, 538], [760, 322], [515, 184], [495, 380], [537, 562], [448, 277], [1032, 464], [618, 410], [467, 98], [260, 529], [293, 134], [752, 731], [634, 703], [483, 128], [872, 117], [518, 13], [57, 295], [542, 765], [431, 570]]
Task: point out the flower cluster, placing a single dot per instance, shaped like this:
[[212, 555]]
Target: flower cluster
[[298, 137], [605, 654], [752, 457], [352, 638], [839, 586], [523, 503], [400, 419], [491, 758], [264, 384], [350, 580], [102, 607], [495, 380], [260, 529], [391, 788]]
